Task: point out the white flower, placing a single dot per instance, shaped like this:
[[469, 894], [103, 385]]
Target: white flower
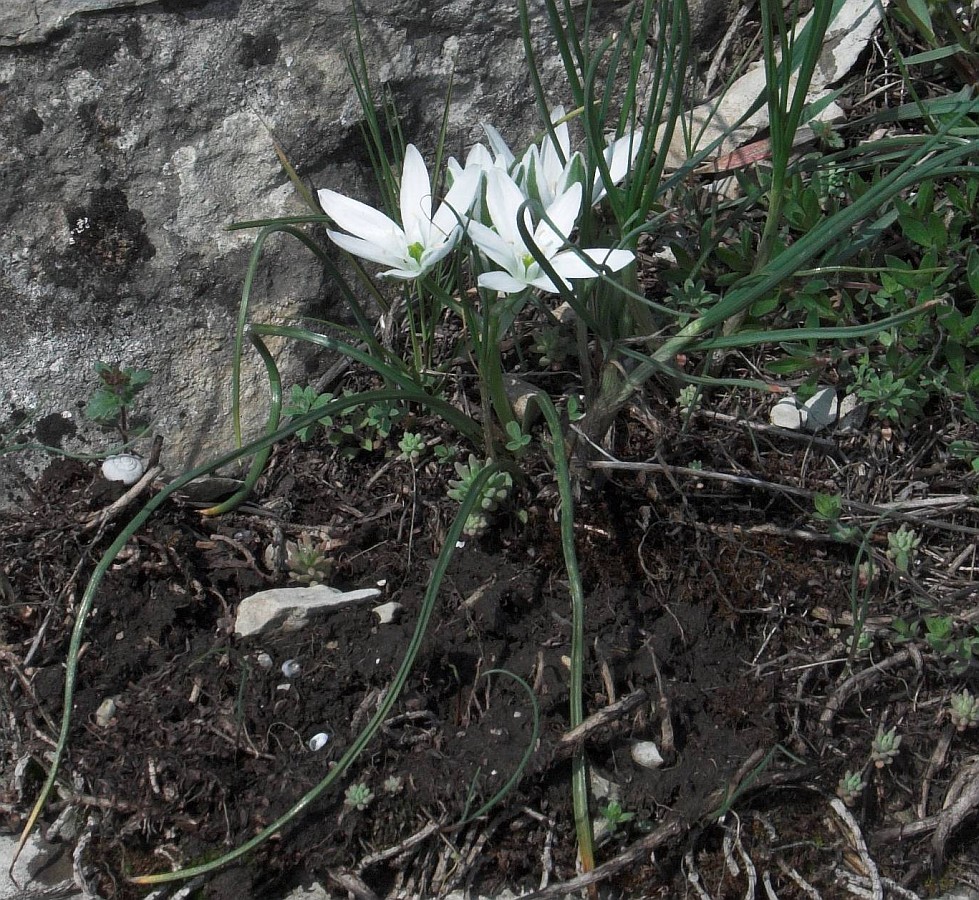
[[505, 247], [548, 171], [619, 157], [422, 239]]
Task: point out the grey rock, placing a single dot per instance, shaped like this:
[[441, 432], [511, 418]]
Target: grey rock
[[292, 608], [42, 870], [132, 135], [32, 21]]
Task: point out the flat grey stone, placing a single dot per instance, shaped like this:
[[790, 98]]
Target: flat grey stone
[[42, 870], [292, 608]]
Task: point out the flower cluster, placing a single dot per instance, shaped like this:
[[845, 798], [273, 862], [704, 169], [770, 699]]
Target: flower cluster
[[488, 200]]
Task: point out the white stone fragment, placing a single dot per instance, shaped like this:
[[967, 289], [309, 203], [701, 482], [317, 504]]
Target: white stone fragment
[[292, 608], [646, 754], [788, 414], [387, 612], [822, 409], [853, 413], [105, 712]]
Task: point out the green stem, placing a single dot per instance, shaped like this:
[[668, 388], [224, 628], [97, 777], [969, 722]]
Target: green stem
[[579, 762]]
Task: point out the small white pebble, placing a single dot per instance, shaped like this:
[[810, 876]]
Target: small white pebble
[[291, 668], [264, 660]]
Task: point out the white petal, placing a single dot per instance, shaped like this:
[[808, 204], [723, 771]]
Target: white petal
[[360, 219], [416, 197], [498, 250], [554, 156], [402, 274], [386, 256], [504, 199], [543, 283], [457, 203], [619, 157], [569, 265], [501, 281], [616, 260], [563, 212], [434, 255], [499, 146]]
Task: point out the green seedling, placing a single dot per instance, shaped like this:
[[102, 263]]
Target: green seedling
[[689, 398], [964, 710], [850, 787], [411, 446], [379, 420], [307, 561], [519, 441], [828, 509], [446, 453], [358, 796], [901, 545], [393, 784], [885, 747], [496, 490], [614, 815], [305, 400], [552, 346], [111, 402], [939, 635]]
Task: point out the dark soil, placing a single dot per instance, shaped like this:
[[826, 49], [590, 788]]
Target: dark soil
[[714, 606]]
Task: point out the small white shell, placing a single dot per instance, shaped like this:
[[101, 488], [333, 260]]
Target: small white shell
[[291, 668], [126, 467], [318, 741], [264, 660]]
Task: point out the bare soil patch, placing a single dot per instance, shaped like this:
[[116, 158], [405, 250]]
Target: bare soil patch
[[717, 620]]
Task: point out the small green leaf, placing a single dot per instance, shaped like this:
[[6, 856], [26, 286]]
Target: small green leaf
[[828, 506], [104, 406]]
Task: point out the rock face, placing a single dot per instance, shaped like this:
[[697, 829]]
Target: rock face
[[131, 135]]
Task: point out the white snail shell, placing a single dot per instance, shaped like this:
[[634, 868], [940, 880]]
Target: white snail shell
[[291, 668], [126, 467], [318, 741]]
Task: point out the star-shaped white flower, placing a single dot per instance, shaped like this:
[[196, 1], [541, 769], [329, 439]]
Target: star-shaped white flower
[[422, 240], [504, 246], [547, 171]]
